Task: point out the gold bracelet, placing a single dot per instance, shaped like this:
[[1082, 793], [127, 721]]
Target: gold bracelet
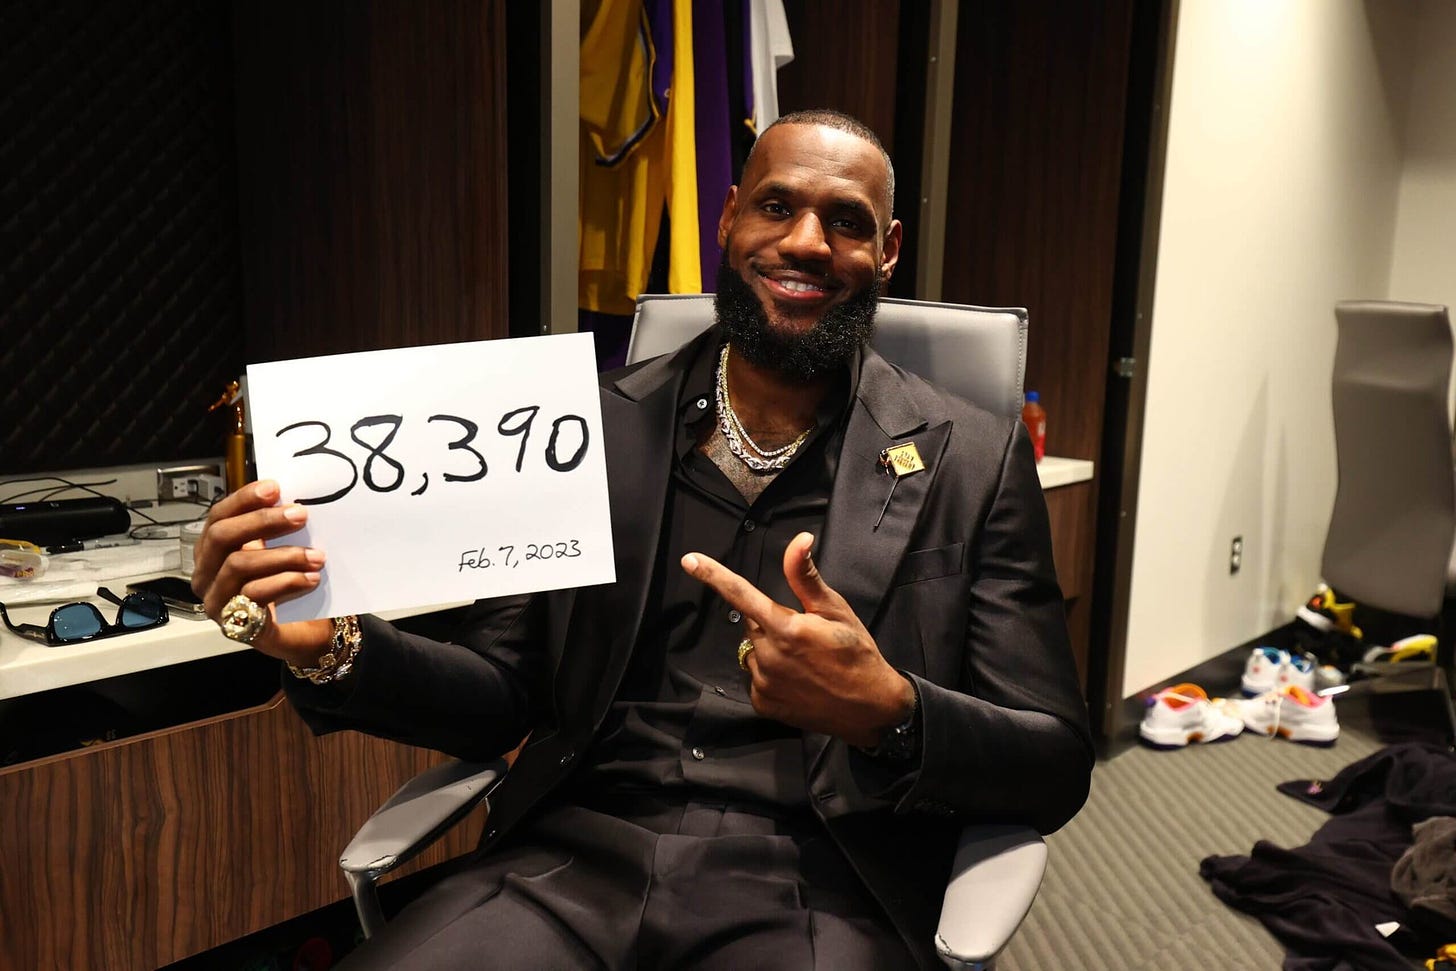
[[338, 660]]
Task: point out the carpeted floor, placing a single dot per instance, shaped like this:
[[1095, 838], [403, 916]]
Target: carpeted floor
[[1122, 890]]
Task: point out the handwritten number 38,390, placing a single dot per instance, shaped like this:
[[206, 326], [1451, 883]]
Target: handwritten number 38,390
[[517, 422]]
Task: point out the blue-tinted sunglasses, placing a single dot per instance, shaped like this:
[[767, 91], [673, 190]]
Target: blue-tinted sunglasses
[[78, 622]]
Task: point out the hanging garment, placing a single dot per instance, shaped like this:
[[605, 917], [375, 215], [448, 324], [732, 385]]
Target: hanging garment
[[625, 72], [770, 48], [661, 86]]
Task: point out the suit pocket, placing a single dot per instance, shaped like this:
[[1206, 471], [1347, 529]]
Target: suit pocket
[[921, 565]]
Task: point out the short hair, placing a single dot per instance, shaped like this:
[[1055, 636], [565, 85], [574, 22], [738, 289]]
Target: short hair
[[840, 121]]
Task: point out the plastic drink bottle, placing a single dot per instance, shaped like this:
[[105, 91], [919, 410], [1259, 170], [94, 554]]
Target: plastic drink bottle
[[1033, 416]]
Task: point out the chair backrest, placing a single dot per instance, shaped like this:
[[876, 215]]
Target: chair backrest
[[978, 353], [1390, 538]]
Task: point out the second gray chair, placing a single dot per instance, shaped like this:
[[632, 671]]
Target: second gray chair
[[1393, 526]]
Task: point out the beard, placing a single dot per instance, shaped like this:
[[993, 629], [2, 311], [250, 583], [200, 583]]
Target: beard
[[823, 349]]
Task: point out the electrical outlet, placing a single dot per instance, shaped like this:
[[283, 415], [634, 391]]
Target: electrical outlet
[[185, 483], [1236, 554]]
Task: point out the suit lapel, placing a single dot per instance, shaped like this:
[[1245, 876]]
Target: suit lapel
[[857, 557], [638, 415]]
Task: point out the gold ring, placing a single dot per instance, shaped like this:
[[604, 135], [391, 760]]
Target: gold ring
[[745, 648], [242, 620]]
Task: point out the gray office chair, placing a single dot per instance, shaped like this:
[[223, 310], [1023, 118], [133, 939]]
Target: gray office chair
[[1393, 527], [978, 353], [975, 352]]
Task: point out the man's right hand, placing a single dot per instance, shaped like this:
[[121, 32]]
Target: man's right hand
[[231, 558]]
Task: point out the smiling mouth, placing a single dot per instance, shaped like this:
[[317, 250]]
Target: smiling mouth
[[794, 283]]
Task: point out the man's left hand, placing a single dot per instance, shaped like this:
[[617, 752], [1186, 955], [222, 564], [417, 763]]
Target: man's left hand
[[817, 669]]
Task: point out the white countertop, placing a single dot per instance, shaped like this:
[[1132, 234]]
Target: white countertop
[[1054, 471], [27, 667]]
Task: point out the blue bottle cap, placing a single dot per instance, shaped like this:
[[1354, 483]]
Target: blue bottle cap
[[1032, 396]]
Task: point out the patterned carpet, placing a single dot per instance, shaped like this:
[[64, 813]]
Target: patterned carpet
[[1122, 890]]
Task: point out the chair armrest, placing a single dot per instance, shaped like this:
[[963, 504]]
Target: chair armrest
[[423, 810], [994, 879]]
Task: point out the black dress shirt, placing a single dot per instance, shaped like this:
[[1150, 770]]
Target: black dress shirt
[[682, 727]]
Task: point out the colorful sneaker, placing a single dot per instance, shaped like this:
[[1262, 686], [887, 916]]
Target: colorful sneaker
[[1184, 713], [1292, 712], [1417, 647], [1298, 670], [1261, 670], [1323, 613], [1271, 667]]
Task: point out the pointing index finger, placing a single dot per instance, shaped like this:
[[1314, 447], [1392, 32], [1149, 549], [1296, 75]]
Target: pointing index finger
[[750, 601]]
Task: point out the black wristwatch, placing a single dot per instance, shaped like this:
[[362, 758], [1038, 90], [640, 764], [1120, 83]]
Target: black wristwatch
[[900, 743]]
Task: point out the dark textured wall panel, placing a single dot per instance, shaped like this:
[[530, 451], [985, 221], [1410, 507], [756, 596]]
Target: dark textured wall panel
[[119, 284]]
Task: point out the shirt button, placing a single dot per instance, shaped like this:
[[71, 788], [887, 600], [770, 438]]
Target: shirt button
[[749, 525], [734, 616], [719, 691], [699, 754], [702, 403]]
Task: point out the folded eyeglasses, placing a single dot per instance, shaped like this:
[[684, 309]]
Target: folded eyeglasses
[[75, 623]]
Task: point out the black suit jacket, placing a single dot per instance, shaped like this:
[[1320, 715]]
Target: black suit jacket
[[956, 585]]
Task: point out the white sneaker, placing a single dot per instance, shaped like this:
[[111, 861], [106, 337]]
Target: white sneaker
[[1294, 713], [1298, 670], [1184, 713], [1261, 670], [1269, 668]]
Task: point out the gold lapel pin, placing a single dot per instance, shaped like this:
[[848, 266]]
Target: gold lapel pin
[[902, 460], [898, 461]]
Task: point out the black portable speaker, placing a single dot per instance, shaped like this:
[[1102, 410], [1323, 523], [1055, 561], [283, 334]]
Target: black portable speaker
[[54, 521]]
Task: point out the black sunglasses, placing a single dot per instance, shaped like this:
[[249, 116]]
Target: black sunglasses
[[78, 622]]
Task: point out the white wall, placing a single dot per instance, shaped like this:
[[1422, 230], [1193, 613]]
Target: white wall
[[1280, 198]]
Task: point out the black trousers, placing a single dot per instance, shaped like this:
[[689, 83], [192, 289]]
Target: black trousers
[[673, 887]]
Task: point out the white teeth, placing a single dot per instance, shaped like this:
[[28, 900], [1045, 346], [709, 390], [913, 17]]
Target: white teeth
[[798, 287]]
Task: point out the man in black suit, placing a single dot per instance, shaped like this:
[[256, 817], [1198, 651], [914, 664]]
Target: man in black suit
[[755, 748]]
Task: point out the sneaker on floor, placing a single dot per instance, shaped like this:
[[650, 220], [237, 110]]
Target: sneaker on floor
[[1417, 647], [1261, 670], [1184, 713], [1292, 712], [1298, 670], [1269, 668], [1324, 613]]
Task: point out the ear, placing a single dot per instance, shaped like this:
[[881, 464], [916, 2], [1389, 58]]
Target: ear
[[730, 213], [890, 251]]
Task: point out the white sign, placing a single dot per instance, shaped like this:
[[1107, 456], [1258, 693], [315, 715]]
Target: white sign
[[439, 474]]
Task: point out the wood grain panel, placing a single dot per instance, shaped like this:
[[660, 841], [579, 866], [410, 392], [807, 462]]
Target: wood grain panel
[[1040, 89], [845, 57], [1070, 509], [372, 173], [138, 853]]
